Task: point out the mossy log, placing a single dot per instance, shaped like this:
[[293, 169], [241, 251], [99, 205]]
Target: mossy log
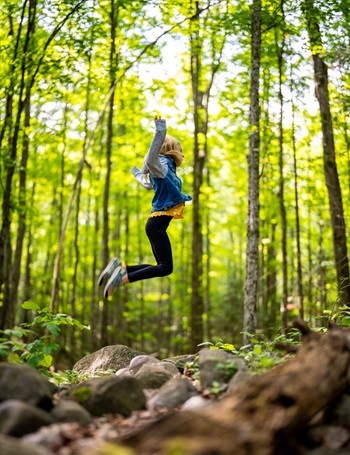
[[261, 416]]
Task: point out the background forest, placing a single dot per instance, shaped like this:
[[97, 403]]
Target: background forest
[[80, 84]]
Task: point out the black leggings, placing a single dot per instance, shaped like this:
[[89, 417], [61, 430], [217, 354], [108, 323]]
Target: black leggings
[[156, 232]]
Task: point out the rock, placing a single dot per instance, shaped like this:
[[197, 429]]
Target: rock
[[124, 371], [340, 414], [331, 436], [113, 394], [112, 357], [195, 403], [239, 378], [13, 446], [55, 437], [327, 451], [140, 360], [182, 361], [21, 382], [70, 411], [153, 376], [217, 367], [18, 418], [173, 393]]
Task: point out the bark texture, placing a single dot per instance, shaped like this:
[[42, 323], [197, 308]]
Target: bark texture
[[329, 155], [252, 261], [261, 417]]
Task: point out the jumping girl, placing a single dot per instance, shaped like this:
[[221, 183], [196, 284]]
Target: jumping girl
[[158, 174]]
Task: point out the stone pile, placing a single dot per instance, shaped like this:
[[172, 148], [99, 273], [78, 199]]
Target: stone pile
[[29, 402]]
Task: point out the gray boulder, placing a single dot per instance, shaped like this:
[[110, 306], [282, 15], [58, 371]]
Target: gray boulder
[[21, 382], [175, 392], [196, 403], [112, 357], [18, 418], [113, 394], [217, 366], [240, 378], [153, 376], [13, 446], [140, 360], [182, 361], [71, 411]]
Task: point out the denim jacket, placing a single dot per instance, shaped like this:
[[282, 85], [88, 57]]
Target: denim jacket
[[167, 191], [161, 172]]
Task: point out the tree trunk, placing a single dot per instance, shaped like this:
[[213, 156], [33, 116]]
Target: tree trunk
[[264, 413], [329, 159], [22, 202], [200, 97], [252, 254], [271, 280], [105, 227], [280, 56], [297, 220], [199, 157]]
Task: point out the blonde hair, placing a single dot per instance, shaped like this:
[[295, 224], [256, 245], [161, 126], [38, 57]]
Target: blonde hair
[[172, 147]]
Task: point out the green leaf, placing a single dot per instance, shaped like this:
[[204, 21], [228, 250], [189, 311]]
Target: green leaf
[[53, 328], [14, 333], [49, 347], [30, 305]]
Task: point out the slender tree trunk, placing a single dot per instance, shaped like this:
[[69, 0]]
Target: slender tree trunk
[[272, 278], [197, 305], [75, 278], [105, 237], [123, 296], [329, 158], [140, 244], [284, 311], [27, 285], [321, 280], [252, 254], [297, 219], [8, 119], [76, 256], [95, 315], [200, 99], [16, 266]]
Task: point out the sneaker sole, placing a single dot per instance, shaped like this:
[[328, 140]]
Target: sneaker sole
[[107, 272], [107, 291]]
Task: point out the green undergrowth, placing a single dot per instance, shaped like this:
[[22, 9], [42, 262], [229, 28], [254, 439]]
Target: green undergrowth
[[34, 344]]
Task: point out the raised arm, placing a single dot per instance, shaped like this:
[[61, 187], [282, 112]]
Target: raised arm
[[152, 162]]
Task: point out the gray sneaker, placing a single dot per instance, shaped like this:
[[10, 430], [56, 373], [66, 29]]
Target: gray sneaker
[[107, 272], [114, 281]]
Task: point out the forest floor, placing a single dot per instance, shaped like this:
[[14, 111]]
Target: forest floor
[[291, 409]]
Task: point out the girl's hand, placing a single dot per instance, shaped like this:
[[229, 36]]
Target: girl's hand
[[157, 117]]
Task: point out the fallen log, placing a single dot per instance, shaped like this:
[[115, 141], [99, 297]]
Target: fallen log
[[262, 415]]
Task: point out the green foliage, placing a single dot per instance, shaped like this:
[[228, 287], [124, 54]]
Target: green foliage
[[66, 377], [34, 343], [339, 316], [217, 388], [260, 354]]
